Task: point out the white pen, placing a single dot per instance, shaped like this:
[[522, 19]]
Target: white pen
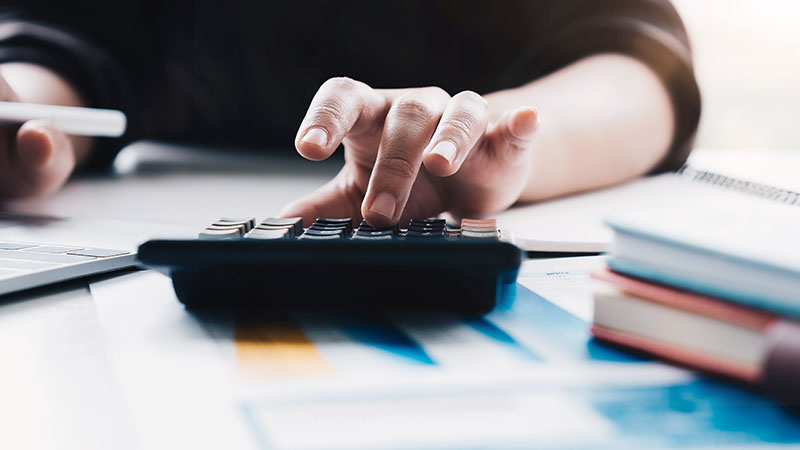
[[69, 119]]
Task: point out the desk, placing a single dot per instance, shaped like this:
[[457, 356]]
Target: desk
[[118, 363]]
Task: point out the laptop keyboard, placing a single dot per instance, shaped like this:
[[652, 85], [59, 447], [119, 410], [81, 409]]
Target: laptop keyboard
[[25, 265]]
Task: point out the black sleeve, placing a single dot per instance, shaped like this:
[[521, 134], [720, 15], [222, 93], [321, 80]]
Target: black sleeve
[[649, 30], [79, 41]]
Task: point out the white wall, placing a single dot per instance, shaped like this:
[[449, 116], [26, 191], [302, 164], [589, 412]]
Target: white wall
[[747, 59]]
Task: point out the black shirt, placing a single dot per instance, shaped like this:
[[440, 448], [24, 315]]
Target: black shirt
[[244, 72]]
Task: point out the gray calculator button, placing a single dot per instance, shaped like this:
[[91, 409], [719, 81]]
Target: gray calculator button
[[99, 252], [248, 222], [229, 233], [267, 234]]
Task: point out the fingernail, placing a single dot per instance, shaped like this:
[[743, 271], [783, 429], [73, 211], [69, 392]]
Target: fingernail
[[384, 205], [316, 136], [446, 150]]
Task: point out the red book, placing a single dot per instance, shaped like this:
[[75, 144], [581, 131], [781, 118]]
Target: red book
[[698, 331]]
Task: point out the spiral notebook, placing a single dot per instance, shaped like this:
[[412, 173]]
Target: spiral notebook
[[734, 240], [575, 224]]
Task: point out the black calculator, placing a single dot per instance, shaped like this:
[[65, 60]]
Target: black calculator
[[427, 265]]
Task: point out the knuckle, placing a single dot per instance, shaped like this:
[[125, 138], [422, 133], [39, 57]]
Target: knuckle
[[473, 97], [398, 166], [412, 107], [341, 84], [329, 110], [436, 92], [462, 125]]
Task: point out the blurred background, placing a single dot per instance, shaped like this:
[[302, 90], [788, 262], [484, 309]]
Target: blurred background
[[747, 60]]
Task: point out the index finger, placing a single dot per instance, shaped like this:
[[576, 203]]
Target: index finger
[[341, 106]]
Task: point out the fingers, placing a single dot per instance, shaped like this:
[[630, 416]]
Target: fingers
[[341, 106], [39, 161], [408, 128], [463, 123], [338, 198], [515, 130]]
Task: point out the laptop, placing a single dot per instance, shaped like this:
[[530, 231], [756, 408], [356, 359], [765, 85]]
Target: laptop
[[38, 250]]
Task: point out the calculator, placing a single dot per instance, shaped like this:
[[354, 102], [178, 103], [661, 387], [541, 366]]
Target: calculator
[[333, 265]]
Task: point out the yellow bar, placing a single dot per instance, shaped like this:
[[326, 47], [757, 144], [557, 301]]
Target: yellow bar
[[275, 347]]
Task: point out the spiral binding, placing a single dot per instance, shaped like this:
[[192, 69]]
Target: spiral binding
[[784, 196]]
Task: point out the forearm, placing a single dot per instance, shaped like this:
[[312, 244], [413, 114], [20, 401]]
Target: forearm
[[36, 84], [603, 120]]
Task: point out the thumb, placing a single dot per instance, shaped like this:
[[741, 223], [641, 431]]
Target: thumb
[[39, 163], [515, 130]]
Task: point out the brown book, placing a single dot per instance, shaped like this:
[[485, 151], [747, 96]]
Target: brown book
[[702, 332]]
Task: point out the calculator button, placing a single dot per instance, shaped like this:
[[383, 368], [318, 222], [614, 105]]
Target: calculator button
[[428, 222], [288, 229], [320, 238], [346, 222], [377, 237], [474, 223], [249, 222], [426, 234], [259, 233], [239, 228], [296, 223], [479, 234], [229, 233], [376, 233], [331, 232], [424, 229]]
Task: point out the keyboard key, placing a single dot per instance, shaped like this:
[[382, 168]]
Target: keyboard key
[[258, 233], [99, 252], [14, 245], [231, 233], [44, 257], [296, 223], [249, 223], [51, 249], [17, 264]]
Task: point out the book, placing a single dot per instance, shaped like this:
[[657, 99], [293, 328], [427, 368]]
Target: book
[[701, 332], [576, 224], [743, 248]]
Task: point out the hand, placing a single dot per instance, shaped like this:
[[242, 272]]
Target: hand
[[412, 153], [35, 158]]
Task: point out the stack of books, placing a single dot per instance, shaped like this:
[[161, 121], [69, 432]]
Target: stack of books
[[717, 291]]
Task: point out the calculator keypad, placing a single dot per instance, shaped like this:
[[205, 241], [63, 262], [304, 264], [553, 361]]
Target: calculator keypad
[[330, 229]]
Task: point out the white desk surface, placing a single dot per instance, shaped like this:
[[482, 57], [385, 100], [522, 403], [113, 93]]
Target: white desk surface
[[120, 364]]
